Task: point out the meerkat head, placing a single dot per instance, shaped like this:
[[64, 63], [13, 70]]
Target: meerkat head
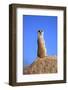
[[40, 33]]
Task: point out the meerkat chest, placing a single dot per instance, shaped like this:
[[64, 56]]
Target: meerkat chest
[[41, 39]]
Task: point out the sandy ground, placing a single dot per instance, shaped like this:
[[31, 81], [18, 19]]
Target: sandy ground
[[47, 64]]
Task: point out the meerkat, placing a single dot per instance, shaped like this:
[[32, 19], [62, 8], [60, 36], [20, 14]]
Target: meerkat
[[41, 45]]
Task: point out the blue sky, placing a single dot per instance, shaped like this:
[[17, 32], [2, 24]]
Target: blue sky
[[32, 23]]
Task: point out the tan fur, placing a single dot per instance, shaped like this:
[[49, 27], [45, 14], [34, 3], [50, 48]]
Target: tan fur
[[41, 45]]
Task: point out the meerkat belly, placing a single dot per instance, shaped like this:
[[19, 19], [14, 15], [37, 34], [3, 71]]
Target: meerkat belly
[[41, 47]]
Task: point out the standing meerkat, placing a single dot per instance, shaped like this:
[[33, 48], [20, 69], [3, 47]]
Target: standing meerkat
[[41, 45]]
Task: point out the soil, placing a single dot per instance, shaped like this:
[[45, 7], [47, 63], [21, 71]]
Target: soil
[[48, 64]]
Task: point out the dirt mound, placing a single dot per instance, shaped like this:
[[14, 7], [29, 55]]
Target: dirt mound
[[48, 64]]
